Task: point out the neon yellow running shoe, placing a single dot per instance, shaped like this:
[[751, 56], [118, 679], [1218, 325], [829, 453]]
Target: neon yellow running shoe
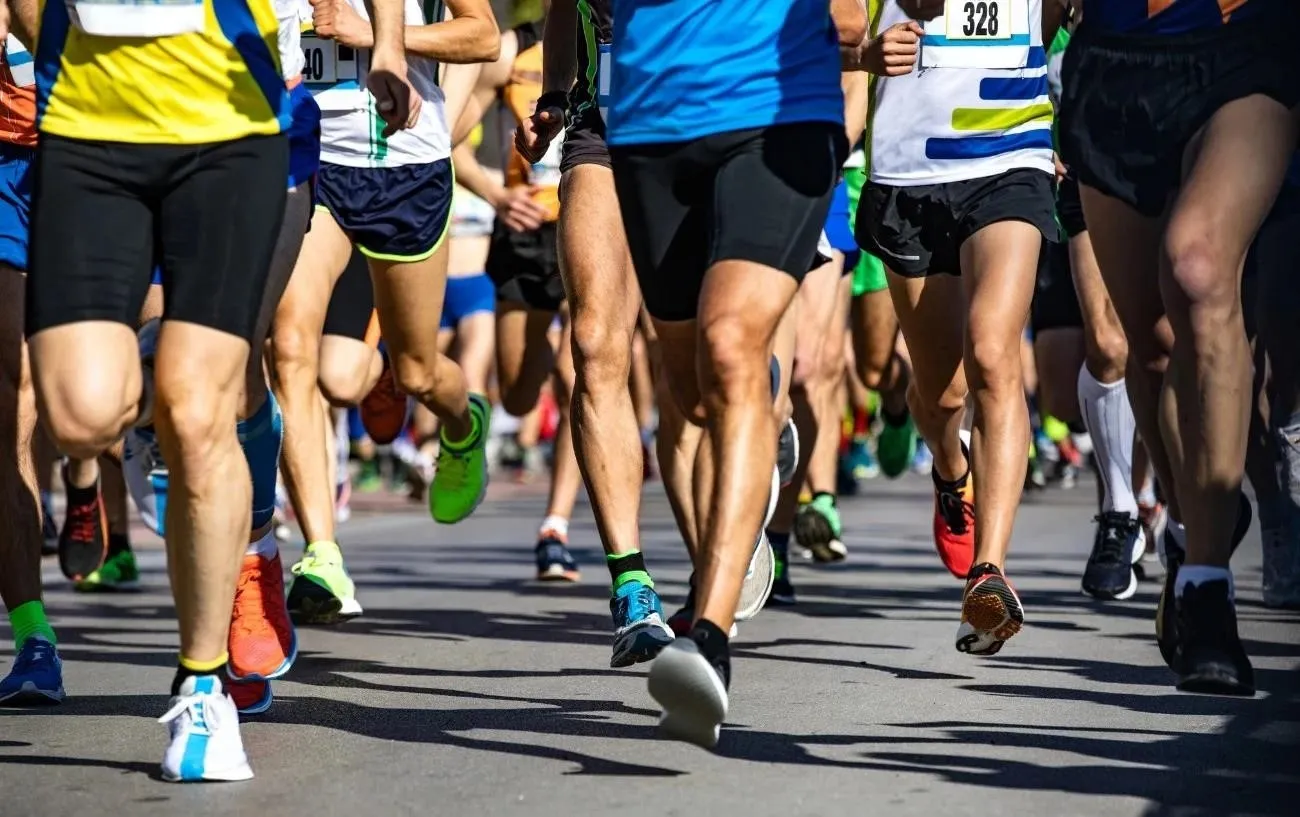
[[461, 480], [322, 592], [117, 574]]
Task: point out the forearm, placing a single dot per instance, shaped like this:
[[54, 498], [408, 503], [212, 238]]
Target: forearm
[[23, 22], [387, 23], [560, 47], [856, 87], [471, 175], [459, 40], [850, 17]]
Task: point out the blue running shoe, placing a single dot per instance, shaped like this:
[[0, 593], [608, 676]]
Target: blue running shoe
[[554, 561], [37, 676], [639, 628]]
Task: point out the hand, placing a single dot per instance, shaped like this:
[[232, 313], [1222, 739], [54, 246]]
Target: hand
[[922, 9], [518, 211], [534, 135], [894, 52], [1061, 169], [336, 20]]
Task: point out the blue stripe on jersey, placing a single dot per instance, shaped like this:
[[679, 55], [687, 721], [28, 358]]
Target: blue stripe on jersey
[[49, 53], [1013, 88], [239, 27], [939, 39], [986, 147], [16, 58]]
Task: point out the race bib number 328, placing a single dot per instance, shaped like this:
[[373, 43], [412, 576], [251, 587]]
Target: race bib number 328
[[988, 20]]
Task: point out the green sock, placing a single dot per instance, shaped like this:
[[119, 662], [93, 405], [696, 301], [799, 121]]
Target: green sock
[[628, 567], [28, 620], [476, 430]]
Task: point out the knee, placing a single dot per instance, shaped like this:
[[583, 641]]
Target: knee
[[993, 364], [519, 401], [87, 418], [346, 382], [419, 377], [602, 355], [197, 415], [736, 361], [1203, 280], [295, 356]]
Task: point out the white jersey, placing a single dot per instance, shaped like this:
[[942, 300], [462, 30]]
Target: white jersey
[[288, 15], [351, 130], [976, 104]]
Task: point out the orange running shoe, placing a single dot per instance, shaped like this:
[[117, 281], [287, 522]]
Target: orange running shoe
[[263, 644], [384, 409], [954, 526], [990, 612], [250, 697]]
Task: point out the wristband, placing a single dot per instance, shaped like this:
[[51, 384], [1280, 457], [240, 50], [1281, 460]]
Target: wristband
[[554, 99]]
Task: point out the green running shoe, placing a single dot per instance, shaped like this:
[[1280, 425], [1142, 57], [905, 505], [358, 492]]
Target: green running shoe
[[118, 574], [461, 480], [896, 447], [817, 527], [322, 592]]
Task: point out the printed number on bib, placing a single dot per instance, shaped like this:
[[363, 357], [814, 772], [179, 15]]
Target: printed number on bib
[[979, 20], [325, 62], [137, 18], [603, 80]]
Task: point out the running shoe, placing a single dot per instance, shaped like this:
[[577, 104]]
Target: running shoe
[[49, 528], [1116, 547], [250, 697], [1281, 584], [1211, 658], [896, 446], [83, 541], [1035, 477], [639, 629], [817, 527], [1154, 518], [782, 588], [118, 574], [262, 644], [369, 479], [758, 579], [787, 452], [692, 692], [462, 477], [203, 735], [146, 476], [991, 612], [37, 676], [923, 462], [954, 527], [554, 561], [322, 592], [861, 462], [680, 622], [386, 409]]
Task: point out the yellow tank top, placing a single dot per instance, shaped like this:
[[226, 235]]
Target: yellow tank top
[[520, 95], [198, 71]]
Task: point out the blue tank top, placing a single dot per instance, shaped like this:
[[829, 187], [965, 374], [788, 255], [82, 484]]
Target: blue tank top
[[684, 69], [1155, 17]]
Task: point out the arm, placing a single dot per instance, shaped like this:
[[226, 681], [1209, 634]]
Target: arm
[[514, 205], [389, 22], [471, 35], [466, 106], [24, 21], [1053, 17], [850, 18], [856, 85], [560, 47]]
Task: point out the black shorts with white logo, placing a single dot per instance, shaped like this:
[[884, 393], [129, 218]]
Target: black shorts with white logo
[[918, 231]]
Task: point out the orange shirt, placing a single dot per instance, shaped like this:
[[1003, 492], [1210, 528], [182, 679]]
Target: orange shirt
[[17, 95], [520, 95]]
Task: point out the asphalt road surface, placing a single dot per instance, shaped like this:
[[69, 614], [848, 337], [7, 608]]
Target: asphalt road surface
[[468, 689]]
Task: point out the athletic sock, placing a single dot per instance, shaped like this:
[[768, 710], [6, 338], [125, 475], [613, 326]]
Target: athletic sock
[[187, 668], [827, 494], [476, 431], [266, 547], [118, 543], [260, 437], [557, 525], [956, 485], [1110, 422], [713, 645], [628, 567], [1204, 574], [780, 543], [28, 619], [893, 420]]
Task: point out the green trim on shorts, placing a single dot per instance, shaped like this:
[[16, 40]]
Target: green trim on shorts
[[869, 272], [411, 259]]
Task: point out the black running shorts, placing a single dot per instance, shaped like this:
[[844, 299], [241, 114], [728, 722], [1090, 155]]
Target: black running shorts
[[1056, 303], [102, 212], [1131, 105], [352, 301], [525, 267], [918, 231], [584, 142], [758, 195]]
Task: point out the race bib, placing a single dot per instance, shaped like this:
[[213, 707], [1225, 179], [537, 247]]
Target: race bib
[[325, 62], [978, 34], [20, 62], [137, 18], [602, 81]]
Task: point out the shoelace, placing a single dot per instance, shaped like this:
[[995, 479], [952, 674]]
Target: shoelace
[[203, 716], [37, 653], [83, 521], [637, 606], [957, 513], [249, 606], [1113, 531]]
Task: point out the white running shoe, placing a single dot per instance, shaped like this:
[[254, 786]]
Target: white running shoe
[[203, 730], [691, 692]]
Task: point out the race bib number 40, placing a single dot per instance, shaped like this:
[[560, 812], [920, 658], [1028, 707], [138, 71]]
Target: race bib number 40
[[137, 18], [979, 20], [325, 62]]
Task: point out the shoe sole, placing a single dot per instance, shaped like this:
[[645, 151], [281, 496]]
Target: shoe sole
[[813, 532], [263, 704], [757, 585], [1215, 680], [235, 775], [31, 696], [640, 645], [692, 697], [1110, 595], [559, 575], [989, 611], [319, 606], [119, 587]]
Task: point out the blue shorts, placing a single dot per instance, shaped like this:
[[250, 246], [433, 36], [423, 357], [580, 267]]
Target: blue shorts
[[467, 295], [15, 203], [839, 226], [391, 213]]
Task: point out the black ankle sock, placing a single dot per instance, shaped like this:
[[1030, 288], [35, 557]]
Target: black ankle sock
[[620, 565], [118, 543], [1077, 427], [981, 569], [893, 420], [713, 645], [183, 672], [780, 543], [81, 496], [955, 485]]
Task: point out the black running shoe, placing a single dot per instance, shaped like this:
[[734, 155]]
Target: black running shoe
[[680, 622], [1109, 573], [1211, 659], [49, 530], [787, 452], [554, 561], [83, 541]]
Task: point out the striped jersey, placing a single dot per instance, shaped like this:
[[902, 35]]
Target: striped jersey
[[977, 105], [595, 33], [351, 129], [1148, 17], [17, 95]]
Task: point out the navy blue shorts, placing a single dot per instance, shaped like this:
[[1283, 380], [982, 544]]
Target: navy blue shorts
[[390, 213], [467, 295]]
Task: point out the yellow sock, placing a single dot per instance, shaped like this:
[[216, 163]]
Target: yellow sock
[[204, 667]]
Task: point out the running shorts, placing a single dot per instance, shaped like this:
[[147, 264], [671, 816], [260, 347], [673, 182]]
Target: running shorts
[[525, 267], [584, 142], [467, 295], [868, 272], [102, 212], [1056, 304], [352, 302], [390, 213], [15, 203], [918, 231], [1069, 208], [1131, 104], [758, 195]]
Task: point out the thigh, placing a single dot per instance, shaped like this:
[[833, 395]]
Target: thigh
[[817, 304], [524, 354], [875, 330], [216, 258], [932, 315]]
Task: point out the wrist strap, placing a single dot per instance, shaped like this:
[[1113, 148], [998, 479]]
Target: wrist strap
[[554, 99]]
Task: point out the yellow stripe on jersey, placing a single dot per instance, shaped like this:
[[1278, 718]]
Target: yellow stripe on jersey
[[221, 84], [999, 119]]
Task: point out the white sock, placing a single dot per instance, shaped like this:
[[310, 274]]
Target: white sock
[[557, 525], [1203, 574], [342, 448], [1109, 418], [1147, 493], [265, 547]]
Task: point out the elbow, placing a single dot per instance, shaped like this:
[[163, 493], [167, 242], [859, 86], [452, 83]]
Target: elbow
[[487, 44], [853, 31]]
